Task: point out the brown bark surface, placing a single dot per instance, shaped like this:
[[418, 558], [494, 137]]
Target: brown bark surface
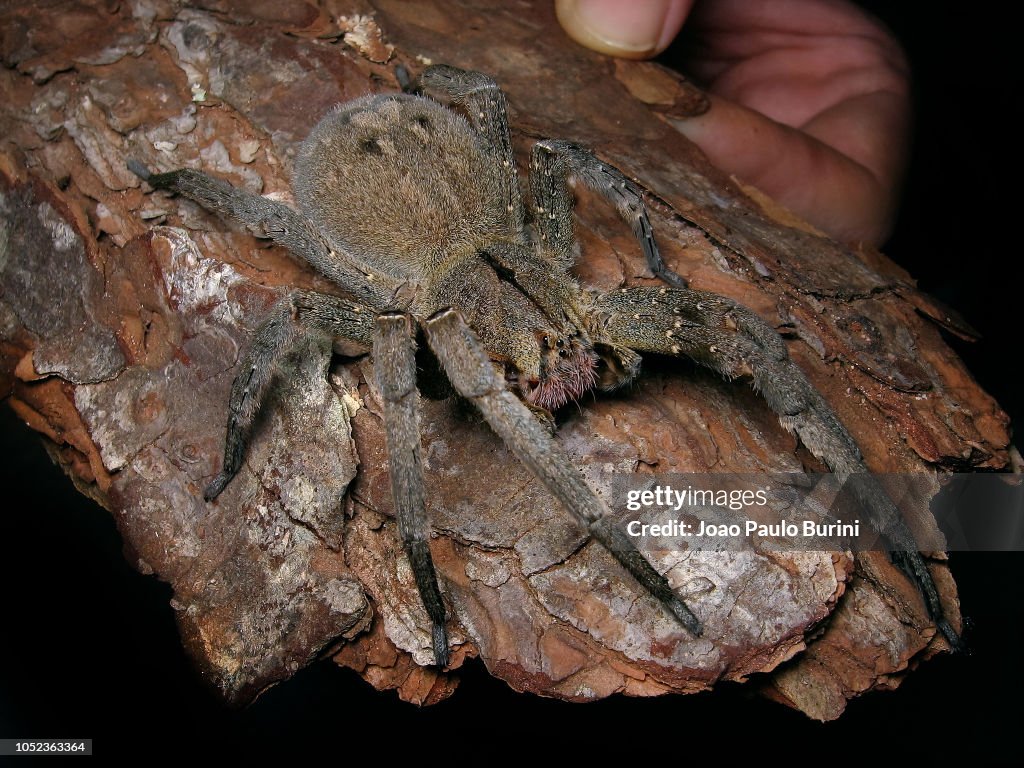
[[123, 314]]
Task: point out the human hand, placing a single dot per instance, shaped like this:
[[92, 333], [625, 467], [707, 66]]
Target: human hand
[[809, 98]]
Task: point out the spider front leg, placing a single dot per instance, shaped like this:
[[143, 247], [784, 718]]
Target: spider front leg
[[733, 341], [471, 373], [300, 311], [394, 356], [552, 163]]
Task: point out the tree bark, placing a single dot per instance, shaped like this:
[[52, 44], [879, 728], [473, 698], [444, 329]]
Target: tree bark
[[123, 314]]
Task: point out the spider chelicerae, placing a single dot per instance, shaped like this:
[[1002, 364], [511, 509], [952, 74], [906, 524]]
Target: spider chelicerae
[[415, 212]]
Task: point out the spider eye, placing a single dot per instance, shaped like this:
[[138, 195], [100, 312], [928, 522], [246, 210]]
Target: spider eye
[[370, 146]]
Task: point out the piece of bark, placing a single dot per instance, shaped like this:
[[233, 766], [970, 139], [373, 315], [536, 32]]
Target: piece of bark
[[122, 317]]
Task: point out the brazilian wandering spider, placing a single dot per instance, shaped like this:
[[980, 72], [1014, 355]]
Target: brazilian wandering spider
[[415, 212]]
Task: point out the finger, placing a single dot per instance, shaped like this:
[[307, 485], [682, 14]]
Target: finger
[[824, 68], [828, 171], [628, 30]]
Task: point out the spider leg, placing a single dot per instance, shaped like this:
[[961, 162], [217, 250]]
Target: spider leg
[[282, 224], [735, 342], [551, 164], [484, 105], [470, 371], [300, 311], [394, 354]]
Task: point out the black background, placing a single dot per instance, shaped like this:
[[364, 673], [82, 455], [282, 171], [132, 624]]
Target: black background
[[88, 647]]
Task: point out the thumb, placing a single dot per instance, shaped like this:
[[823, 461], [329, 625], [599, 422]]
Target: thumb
[[636, 30]]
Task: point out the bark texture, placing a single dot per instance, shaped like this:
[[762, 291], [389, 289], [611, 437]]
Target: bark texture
[[123, 313]]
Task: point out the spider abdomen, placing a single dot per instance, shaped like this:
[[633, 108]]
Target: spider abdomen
[[401, 182]]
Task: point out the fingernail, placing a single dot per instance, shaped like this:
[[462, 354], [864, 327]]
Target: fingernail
[[628, 30]]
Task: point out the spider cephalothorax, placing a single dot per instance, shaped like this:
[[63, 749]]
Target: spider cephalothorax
[[416, 213]]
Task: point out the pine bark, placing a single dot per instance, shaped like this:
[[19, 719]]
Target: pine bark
[[123, 315]]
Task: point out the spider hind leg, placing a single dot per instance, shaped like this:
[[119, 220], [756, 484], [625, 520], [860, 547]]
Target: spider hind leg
[[552, 163], [483, 102]]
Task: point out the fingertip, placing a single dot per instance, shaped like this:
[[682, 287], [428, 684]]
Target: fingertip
[[625, 30], [801, 172]]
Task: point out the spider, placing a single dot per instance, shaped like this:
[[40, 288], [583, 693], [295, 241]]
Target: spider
[[415, 211]]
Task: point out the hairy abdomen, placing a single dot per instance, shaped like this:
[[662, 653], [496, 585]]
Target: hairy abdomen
[[401, 182]]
